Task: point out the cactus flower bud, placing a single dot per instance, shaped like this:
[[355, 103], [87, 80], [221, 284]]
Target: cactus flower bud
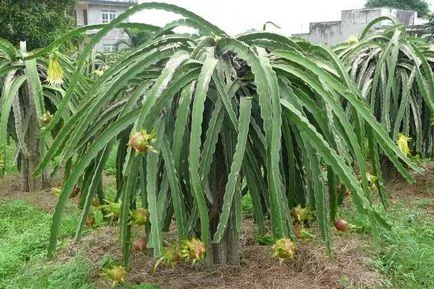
[[55, 71]]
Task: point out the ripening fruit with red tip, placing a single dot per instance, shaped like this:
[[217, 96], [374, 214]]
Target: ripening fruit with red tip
[[341, 225], [193, 250], [140, 245]]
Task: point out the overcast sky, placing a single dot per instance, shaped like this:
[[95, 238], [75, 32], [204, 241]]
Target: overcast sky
[[238, 16]]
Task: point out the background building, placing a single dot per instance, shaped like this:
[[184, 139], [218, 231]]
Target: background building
[[353, 22], [89, 12]]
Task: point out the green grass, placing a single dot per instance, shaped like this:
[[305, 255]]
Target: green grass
[[404, 254], [74, 274], [246, 204], [24, 233], [7, 156]]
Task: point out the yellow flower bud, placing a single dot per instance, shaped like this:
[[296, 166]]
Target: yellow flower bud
[[55, 71], [353, 40], [402, 143]]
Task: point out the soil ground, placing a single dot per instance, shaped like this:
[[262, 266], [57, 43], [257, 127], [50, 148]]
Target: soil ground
[[312, 267]]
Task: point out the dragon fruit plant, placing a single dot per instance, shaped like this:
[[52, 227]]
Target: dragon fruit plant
[[258, 114]]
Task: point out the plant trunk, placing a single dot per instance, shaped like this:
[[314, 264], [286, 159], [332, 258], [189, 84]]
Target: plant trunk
[[31, 136], [388, 169], [29, 163], [228, 250]]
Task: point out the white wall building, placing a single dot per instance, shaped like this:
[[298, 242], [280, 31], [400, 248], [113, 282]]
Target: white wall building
[[88, 12], [352, 23]]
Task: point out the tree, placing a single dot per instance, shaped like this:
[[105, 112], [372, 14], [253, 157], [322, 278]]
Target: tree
[[135, 38], [430, 27], [201, 120], [38, 22], [421, 6]]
